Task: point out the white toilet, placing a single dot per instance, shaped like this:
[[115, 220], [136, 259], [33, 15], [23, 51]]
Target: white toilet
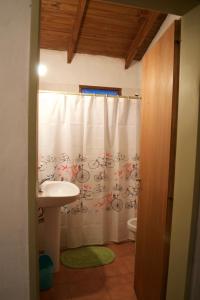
[[132, 227]]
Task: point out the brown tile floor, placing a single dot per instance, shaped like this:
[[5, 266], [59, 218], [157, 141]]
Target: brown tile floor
[[109, 282]]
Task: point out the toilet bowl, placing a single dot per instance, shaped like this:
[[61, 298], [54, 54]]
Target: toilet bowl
[[132, 227]]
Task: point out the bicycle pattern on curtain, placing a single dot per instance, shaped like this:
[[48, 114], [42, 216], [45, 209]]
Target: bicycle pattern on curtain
[[108, 181]]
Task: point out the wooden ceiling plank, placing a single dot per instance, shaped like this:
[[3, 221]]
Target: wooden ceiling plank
[[81, 10], [109, 53], [68, 6], [107, 28], [120, 8], [140, 37], [115, 21], [102, 43]]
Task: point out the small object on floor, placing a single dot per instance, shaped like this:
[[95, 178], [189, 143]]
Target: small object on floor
[[46, 272], [87, 257]]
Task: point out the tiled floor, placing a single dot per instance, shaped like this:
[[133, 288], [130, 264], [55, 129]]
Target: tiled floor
[[109, 282]]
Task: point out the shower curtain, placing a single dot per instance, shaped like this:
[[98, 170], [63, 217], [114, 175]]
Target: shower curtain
[[91, 141]]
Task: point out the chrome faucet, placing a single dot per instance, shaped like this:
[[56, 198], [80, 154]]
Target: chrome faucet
[[49, 177]]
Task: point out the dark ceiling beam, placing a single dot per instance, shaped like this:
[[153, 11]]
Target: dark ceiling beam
[[81, 11], [146, 26]]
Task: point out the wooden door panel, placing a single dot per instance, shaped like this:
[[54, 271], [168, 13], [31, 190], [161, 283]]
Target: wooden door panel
[[158, 138]]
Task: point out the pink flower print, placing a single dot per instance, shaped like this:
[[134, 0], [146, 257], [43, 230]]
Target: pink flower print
[[109, 197], [119, 173], [74, 170], [87, 187], [106, 155], [105, 201], [62, 167], [128, 167]]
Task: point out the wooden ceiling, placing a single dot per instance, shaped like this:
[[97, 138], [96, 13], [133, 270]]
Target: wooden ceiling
[[97, 27]]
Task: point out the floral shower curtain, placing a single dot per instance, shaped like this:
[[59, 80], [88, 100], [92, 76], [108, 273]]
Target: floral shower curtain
[[91, 141]]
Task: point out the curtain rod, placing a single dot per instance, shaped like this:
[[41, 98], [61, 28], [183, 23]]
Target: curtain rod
[[135, 97]]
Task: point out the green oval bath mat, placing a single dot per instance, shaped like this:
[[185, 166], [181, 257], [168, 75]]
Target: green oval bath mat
[[86, 257]]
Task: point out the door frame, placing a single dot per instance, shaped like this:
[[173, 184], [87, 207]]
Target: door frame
[[181, 232], [32, 152]]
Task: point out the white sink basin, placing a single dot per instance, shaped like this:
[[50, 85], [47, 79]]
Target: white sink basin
[[54, 195], [57, 194]]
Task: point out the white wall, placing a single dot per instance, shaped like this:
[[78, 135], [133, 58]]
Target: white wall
[[14, 49], [88, 70]]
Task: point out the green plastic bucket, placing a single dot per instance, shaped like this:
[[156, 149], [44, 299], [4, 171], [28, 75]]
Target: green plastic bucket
[[46, 272]]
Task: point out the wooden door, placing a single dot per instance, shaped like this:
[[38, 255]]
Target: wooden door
[[158, 138]]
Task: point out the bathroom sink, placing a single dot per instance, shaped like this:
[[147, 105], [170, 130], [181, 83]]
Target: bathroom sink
[[57, 193], [53, 195]]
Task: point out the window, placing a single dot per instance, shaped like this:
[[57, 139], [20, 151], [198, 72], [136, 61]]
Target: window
[[99, 90]]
